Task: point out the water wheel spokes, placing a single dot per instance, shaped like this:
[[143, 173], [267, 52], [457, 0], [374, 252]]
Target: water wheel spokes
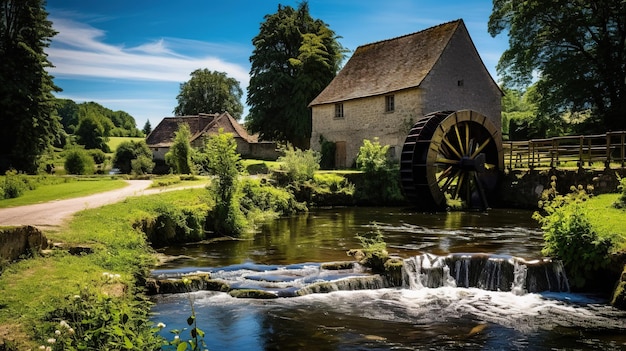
[[451, 159]]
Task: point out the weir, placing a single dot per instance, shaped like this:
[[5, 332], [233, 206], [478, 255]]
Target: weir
[[485, 271]]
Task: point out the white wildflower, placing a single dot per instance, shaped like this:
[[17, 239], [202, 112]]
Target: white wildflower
[[161, 325], [57, 332], [52, 340]]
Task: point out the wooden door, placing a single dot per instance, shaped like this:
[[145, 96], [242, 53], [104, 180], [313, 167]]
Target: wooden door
[[340, 154]]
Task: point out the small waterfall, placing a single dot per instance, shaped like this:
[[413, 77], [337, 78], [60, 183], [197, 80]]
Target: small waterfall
[[484, 271]]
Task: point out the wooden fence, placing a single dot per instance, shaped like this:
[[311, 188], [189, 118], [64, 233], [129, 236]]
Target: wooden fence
[[585, 151]]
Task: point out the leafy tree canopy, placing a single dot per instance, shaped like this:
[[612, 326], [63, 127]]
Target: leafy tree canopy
[[295, 57], [209, 92], [575, 49], [121, 123], [29, 126]]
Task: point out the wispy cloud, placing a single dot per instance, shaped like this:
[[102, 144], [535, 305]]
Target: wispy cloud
[[79, 50]]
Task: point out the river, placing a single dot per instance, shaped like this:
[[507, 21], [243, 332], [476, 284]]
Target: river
[[286, 256]]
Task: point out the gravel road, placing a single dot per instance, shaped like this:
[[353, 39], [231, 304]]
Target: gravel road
[[54, 213]]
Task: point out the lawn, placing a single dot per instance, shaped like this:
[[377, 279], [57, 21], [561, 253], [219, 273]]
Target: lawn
[[114, 142], [72, 187], [607, 220], [33, 288]]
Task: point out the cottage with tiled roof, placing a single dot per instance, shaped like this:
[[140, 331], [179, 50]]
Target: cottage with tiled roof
[[386, 86], [201, 125]]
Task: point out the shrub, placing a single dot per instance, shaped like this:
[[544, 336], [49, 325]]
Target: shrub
[[262, 196], [621, 201], [224, 163], [14, 185], [179, 156], [94, 320], [142, 165], [78, 161], [381, 181], [328, 149], [128, 151], [569, 236], [98, 156], [299, 165]]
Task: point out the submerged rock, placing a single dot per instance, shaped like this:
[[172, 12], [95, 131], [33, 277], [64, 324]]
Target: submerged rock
[[369, 282], [253, 294], [188, 283], [336, 266]]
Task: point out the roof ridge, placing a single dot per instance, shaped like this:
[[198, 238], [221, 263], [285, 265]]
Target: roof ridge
[[457, 21]]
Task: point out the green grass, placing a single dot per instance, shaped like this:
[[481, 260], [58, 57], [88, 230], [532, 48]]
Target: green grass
[[73, 187], [607, 220], [254, 164], [114, 142], [32, 288]]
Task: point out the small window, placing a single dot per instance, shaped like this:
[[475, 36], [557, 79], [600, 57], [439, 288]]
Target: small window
[[390, 104], [459, 83], [338, 110]]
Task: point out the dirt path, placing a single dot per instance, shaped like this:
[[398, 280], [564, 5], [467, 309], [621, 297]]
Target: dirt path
[[54, 213]]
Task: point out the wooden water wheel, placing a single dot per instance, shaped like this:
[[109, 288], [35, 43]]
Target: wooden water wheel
[[451, 159]]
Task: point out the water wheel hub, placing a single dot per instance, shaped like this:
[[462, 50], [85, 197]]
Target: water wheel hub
[[476, 164]]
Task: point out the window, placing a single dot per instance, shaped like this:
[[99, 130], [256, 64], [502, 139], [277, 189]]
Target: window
[[459, 83], [338, 110], [390, 104]]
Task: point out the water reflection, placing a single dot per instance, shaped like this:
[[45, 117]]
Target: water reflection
[[326, 235]]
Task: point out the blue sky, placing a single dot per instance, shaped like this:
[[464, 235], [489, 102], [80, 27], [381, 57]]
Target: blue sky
[[133, 55]]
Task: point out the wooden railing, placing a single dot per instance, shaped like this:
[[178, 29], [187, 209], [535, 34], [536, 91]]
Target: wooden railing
[[585, 151]]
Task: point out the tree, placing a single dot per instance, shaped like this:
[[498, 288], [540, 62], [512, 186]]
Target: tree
[[92, 132], [147, 128], [209, 92], [294, 59], [129, 151], [179, 156], [575, 49], [224, 163], [26, 103]]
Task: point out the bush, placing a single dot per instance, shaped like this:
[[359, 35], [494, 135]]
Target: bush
[[128, 151], [381, 181], [98, 156], [14, 185], [299, 165], [569, 235], [94, 320], [621, 201], [328, 149], [142, 165], [262, 196], [78, 161]]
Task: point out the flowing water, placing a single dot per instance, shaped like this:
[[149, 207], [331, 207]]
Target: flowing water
[[471, 281]]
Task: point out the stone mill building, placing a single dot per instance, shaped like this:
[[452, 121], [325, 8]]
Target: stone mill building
[[388, 85]]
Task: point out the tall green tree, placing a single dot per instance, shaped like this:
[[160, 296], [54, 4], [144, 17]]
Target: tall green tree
[[147, 128], [26, 102], [576, 49], [209, 92], [93, 132], [295, 57], [179, 156]]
